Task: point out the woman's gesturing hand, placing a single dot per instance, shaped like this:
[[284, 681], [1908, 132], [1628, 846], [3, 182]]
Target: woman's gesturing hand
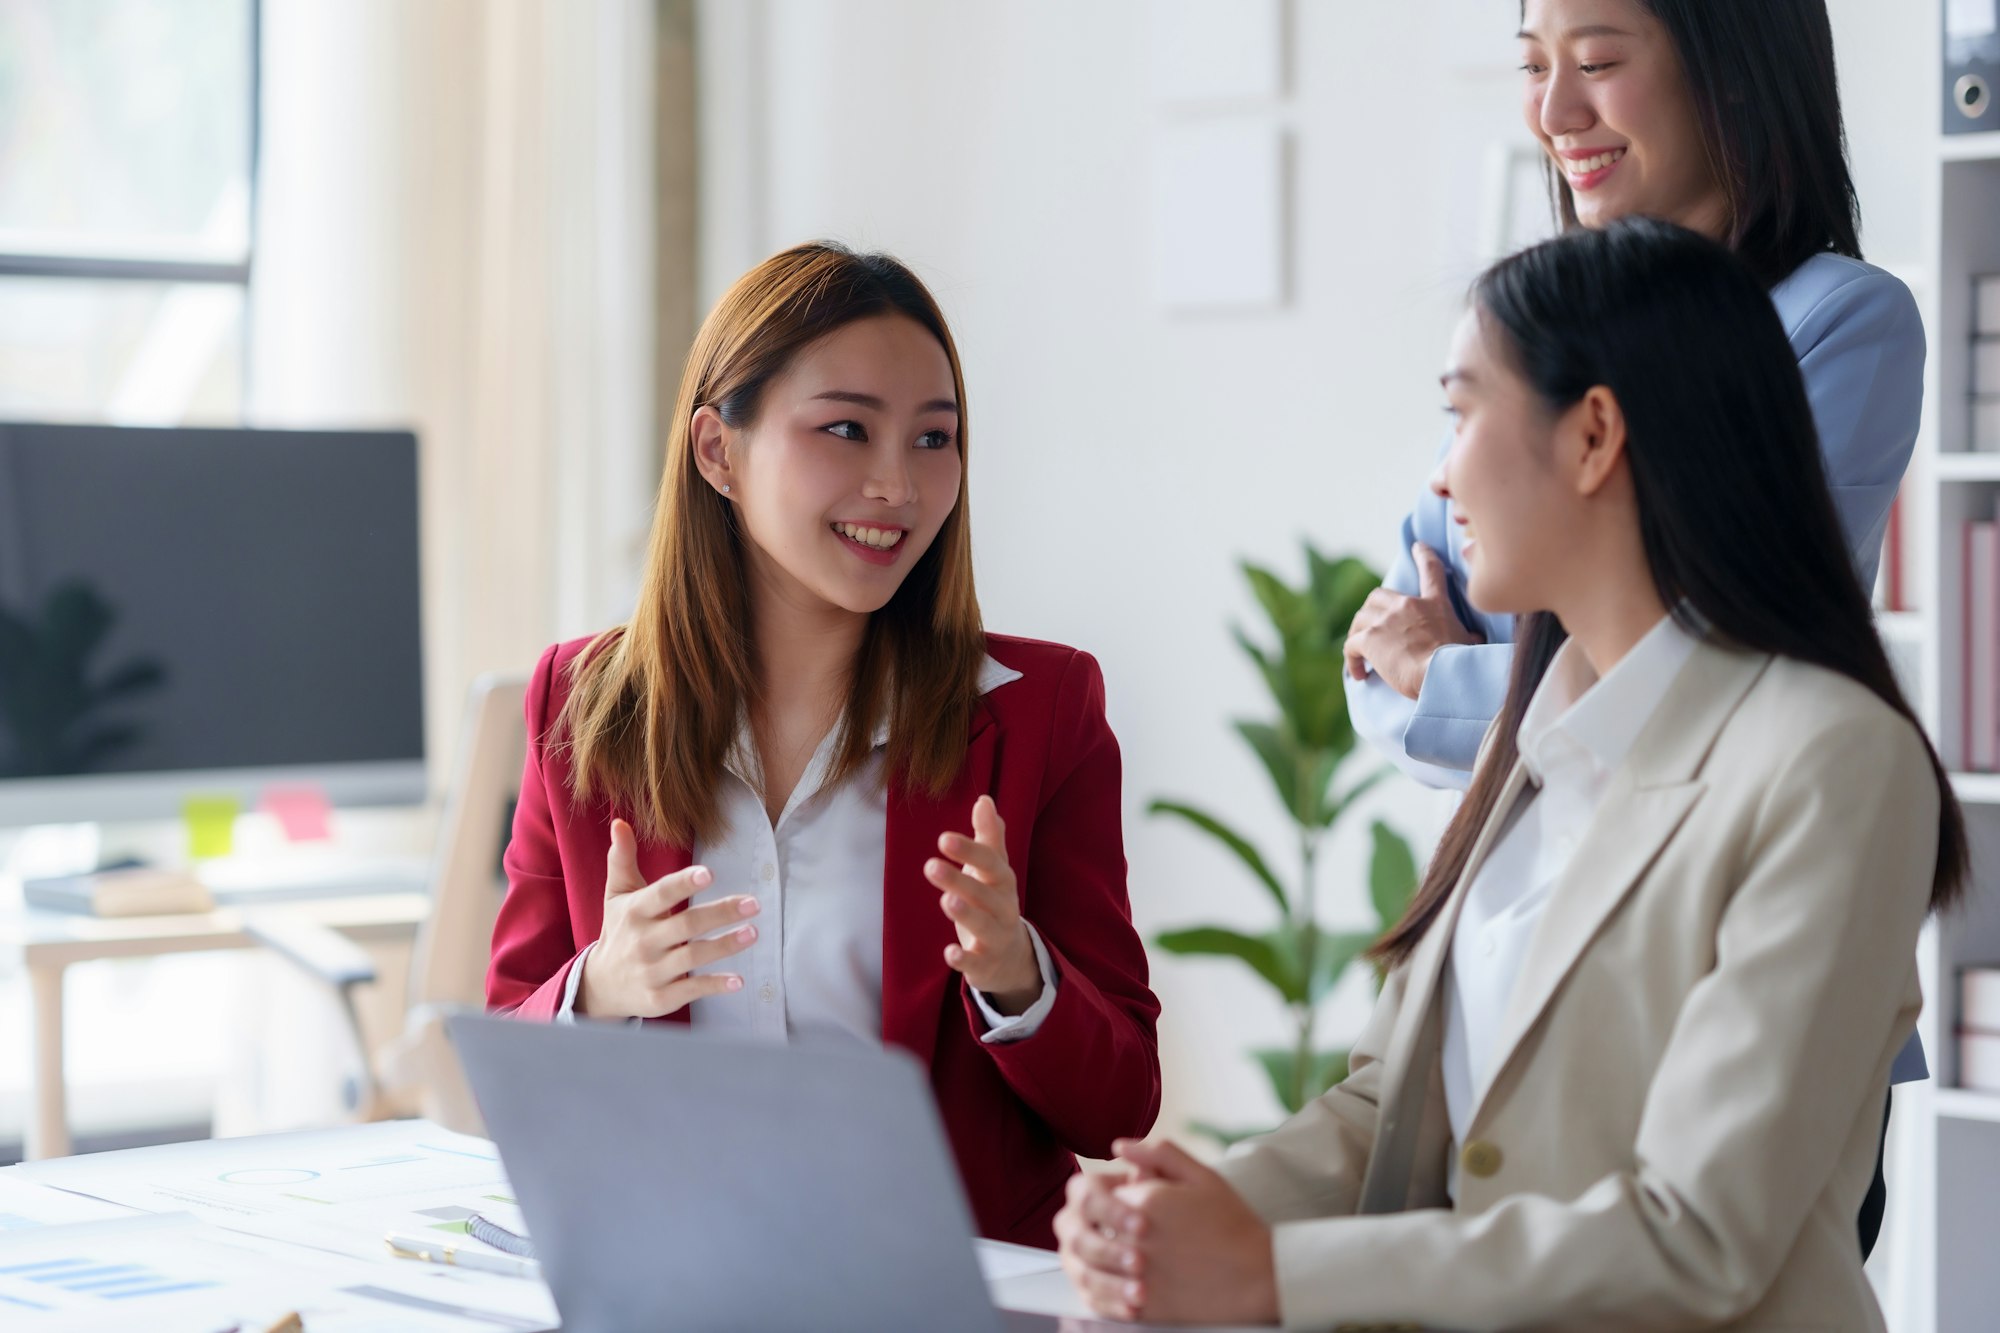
[[646, 951], [994, 952], [1397, 635]]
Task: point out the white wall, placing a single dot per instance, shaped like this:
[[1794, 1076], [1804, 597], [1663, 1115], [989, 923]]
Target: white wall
[[1124, 458]]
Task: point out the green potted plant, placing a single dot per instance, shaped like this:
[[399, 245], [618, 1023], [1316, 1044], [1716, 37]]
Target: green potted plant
[[1303, 750]]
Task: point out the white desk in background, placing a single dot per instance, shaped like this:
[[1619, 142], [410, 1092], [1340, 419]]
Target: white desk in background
[[312, 1209], [50, 942]]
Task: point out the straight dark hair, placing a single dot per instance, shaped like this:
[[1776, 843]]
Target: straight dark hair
[[1737, 522], [1762, 76]]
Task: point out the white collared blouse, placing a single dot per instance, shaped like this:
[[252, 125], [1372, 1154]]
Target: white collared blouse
[[1576, 731], [815, 969]]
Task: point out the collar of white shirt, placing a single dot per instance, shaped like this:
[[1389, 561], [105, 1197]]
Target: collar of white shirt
[[1577, 718], [992, 676], [741, 759]]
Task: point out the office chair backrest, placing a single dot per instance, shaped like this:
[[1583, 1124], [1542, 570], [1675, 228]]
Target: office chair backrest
[[467, 883]]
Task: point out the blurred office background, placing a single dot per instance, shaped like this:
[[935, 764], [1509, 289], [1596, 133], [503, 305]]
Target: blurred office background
[[496, 222]]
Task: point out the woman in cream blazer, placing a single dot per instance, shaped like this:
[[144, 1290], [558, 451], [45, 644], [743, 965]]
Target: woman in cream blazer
[[1626, 1068]]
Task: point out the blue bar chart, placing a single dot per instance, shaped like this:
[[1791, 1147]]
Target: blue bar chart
[[111, 1282]]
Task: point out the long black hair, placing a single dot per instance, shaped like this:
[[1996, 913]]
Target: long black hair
[[1761, 73], [1737, 523]]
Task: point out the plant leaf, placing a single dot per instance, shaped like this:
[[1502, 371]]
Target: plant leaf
[[1281, 1065], [1266, 955], [1392, 874], [1337, 952], [1290, 611], [1339, 587], [1358, 790], [135, 677], [1226, 1137], [1318, 679], [1229, 838], [75, 620], [100, 745], [1280, 754], [1275, 679]]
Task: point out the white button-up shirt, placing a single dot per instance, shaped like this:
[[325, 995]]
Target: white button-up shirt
[[1576, 731], [816, 967]]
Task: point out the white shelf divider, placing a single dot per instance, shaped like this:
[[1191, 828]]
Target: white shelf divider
[[1966, 1104], [1963, 466], [1970, 147], [1977, 788], [1901, 626]]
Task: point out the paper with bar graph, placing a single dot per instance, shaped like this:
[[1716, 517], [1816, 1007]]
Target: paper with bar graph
[[169, 1271], [25, 1205], [339, 1191], [365, 1179]]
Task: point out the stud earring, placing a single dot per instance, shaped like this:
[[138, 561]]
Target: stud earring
[[725, 489]]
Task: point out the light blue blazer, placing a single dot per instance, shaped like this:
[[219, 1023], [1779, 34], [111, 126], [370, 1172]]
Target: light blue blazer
[[1860, 344]]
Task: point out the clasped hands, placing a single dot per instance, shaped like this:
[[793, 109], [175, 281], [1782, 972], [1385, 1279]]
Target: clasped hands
[[645, 960], [1166, 1240], [1397, 634]]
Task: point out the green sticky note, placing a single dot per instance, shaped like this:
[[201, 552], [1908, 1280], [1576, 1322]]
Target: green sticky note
[[211, 825]]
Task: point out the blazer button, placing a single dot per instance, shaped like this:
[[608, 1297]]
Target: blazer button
[[1480, 1159]]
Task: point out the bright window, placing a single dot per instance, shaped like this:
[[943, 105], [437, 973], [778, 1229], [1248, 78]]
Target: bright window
[[127, 190], [127, 175]]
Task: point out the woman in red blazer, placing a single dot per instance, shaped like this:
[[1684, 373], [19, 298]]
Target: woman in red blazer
[[805, 705]]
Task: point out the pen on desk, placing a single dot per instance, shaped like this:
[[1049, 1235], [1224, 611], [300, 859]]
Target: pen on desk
[[481, 1227], [443, 1252]]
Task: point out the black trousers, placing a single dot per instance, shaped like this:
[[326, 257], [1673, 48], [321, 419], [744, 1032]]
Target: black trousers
[[1877, 1199]]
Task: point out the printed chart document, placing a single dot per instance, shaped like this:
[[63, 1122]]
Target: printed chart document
[[25, 1205], [171, 1272], [1000, 1260], [339, 1191]]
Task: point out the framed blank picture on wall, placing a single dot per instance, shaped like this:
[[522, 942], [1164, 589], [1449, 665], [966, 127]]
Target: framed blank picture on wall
[[1218, 202]]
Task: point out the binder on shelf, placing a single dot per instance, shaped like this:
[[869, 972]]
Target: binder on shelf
[[1986, 306], [1979, 1028], [1890, 582], [1971, 65], [1986, 366], [1979, 1061], [1986, 425], [1979, 999], [1980, 581]]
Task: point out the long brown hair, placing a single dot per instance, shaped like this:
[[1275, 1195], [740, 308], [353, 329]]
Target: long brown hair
[[655, 703], [1738, 525]]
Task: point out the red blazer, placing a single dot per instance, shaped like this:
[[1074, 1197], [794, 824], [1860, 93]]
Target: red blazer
[[1016, 1112]]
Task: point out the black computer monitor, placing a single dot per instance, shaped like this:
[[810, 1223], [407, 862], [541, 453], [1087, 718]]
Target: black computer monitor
[[195, 612]]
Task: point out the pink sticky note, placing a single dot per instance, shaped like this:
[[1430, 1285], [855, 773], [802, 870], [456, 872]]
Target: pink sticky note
[[301, 811]]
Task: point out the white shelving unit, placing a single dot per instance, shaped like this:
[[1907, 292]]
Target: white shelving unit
[[1963, 1104], [1945, 1191]]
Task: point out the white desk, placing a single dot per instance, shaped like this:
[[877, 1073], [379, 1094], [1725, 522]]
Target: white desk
[[50, 942], [348, 1224]]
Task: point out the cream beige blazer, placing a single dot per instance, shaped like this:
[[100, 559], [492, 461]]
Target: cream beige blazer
[[1683, 1119]]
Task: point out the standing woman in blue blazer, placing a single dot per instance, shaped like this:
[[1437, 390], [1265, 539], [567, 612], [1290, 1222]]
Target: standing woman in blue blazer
[[1726, 119]]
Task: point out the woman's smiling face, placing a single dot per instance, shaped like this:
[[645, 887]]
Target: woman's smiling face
[[1605, 94], [1499, 476], [851, 466]]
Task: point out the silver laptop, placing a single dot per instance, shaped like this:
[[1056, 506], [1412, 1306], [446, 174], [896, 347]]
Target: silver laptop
[[682, 1181]]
